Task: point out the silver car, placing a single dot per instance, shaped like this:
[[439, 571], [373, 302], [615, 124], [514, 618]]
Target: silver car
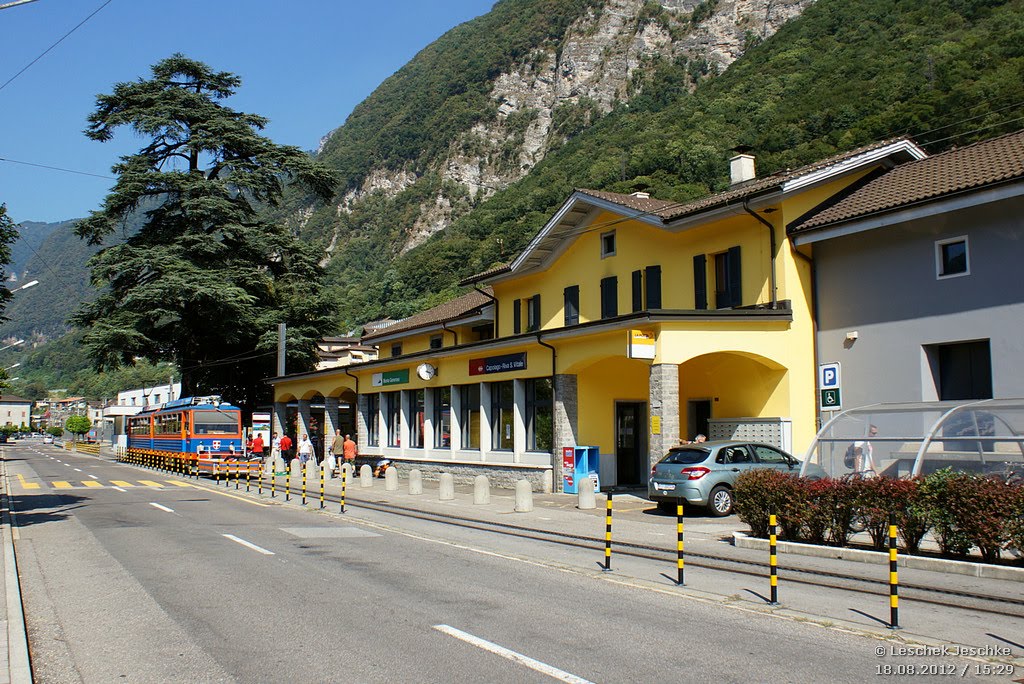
[[703, 474]]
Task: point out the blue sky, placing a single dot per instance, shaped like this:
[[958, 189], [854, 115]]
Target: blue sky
[[304, 64]]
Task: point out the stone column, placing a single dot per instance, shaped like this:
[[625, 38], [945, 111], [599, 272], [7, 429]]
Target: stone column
[[330, 421], [280, 417], [566, 422], [304, 418], [664, 390], [362, 430]]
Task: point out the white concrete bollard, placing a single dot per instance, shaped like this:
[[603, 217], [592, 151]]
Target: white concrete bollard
[[366, 476], [524, 497], [481, 490], [279, 465], [296, 471], [586, 500], [350, 471], [391, 479], [547, 482], [415, 482], [312, 473], [446, 487]]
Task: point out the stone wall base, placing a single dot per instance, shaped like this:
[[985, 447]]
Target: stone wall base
[[501, 477]]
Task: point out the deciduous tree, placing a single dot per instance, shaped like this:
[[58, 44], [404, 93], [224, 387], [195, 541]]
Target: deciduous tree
[[207, 277]]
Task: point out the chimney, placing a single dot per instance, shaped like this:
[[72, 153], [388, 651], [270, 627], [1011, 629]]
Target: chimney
[[741, 169], [640, 195]]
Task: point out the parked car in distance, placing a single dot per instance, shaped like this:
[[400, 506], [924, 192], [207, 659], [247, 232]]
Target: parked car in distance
[[48, 439], [703, 474]]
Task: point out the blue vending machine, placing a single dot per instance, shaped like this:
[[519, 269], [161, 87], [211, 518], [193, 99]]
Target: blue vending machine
[[578, 465]]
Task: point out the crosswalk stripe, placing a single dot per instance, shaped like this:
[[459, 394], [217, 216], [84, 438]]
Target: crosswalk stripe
[[61, 484], [92, 483], [178, 484], [150, 483], [121, 483]]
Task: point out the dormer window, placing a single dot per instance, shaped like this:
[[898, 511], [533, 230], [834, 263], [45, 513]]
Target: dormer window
[[608, 244]]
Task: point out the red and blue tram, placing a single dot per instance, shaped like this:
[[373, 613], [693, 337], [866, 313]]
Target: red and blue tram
[[196, 427]]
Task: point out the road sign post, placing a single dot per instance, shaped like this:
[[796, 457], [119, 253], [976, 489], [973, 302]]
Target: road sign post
[[830, 386]]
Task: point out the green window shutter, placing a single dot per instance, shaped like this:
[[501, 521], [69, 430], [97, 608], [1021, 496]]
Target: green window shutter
[[572, 305], [653, 277], [533, 310], [735, 282], [638, 291], [609, 297], [700, 282]]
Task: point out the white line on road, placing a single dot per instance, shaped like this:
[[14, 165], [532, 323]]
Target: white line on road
[[78, 470], [536, 665], [119, 489], [162, 508], [249, 545]]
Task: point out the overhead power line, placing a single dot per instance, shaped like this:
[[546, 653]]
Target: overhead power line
[[56, 168], [59, 41]]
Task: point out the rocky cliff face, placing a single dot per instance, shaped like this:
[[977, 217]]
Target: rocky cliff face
[[554, 94]]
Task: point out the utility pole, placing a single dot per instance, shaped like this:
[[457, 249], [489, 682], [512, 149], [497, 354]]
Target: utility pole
[[280, 349]]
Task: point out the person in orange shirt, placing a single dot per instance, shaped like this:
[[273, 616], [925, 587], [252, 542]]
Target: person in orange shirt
[[349, 450], [286, 448]]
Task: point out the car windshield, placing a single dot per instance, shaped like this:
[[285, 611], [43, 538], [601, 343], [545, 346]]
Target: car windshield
[[685, 456]]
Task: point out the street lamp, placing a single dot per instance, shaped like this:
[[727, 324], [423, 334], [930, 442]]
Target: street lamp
[[12, 344]]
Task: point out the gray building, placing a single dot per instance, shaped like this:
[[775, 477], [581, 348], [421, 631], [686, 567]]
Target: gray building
[[919, 278]]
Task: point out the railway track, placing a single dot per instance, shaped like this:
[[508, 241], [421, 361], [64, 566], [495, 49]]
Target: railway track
[[909, 592]]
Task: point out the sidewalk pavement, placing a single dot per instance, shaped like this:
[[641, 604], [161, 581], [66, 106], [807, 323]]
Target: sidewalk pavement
[[15, 667]]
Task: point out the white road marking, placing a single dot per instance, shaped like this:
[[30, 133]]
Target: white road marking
[[250, 545], [162, 508], [536, 665], [119, 489], [78, 470]]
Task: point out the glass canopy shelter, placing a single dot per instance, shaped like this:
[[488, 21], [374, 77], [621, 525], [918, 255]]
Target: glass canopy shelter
[[984, 436]]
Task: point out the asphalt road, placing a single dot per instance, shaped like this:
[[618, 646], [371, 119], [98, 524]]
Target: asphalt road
[[143, 577]]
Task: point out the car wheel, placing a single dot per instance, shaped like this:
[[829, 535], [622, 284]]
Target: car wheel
[[720, 501]]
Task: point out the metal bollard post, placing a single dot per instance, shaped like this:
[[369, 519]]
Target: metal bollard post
[[322, 469], [608, 534], [773, 564], [216, 472], [288, 483], [344, 485], [273, 479], [304, 484], [680, 562], [247, 474], [259, 482], [238, 474], [894, 583]]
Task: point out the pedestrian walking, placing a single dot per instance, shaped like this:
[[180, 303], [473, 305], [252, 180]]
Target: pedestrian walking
[[286, 448], [305, 449], [349, 451]]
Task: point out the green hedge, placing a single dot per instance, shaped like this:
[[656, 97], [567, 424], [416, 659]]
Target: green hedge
[[962, 511]]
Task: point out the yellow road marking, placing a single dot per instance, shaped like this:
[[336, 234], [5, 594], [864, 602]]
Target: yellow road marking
[[62, 484], [121, 483], [150, 483], [179, 484], [92, 483], [27, 485]]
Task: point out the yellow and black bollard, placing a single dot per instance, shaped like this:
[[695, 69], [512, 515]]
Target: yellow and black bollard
[[344, 484], [773, 564], [247, 467], [273, 479], [607, 533], [322, 473], [238, 473], [288, 483], [304, 483], [259, 481], [679, 544], [894, 582]]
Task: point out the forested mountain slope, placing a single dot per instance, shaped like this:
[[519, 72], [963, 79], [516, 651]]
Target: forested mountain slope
[[457, 160]]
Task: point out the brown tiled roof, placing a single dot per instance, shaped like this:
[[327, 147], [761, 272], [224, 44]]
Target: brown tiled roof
[[494, 270], [449, 311], [669, 211], [13, 399], [984, 163]]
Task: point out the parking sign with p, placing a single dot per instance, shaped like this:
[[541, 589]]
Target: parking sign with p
[[830, 385]]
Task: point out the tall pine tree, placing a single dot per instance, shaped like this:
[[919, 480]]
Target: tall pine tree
[[207, 277]]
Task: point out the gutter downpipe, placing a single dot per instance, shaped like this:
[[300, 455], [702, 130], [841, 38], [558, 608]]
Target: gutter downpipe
[[356, 378], [554, 356], [455, 335], [814, 307], [495, 300], [771, 237]]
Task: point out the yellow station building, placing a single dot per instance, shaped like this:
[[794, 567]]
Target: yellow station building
[[627, 324]]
